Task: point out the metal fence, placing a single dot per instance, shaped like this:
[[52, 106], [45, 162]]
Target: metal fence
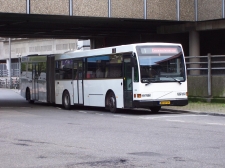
[[5, 83], [3, 70], [206, 66], [4, 76], [14, 70]]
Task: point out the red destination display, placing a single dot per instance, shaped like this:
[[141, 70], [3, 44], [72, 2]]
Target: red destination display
[[164, 50]]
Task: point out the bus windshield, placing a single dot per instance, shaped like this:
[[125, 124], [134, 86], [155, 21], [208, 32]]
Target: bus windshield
[[161, 64]]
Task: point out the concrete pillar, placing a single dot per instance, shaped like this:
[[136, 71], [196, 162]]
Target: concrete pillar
[[97, 43], [194, 50], [92, 43], [7, 64]]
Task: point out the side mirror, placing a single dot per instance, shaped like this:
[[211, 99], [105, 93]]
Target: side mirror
[[133, 54]]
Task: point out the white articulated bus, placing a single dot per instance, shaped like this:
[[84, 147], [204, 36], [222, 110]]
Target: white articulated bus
[[144, 75]]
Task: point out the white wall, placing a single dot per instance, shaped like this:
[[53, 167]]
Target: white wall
[[83, 45], [25, 47]]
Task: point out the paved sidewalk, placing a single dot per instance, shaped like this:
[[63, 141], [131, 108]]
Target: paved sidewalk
[[16, 90], [200, 107]]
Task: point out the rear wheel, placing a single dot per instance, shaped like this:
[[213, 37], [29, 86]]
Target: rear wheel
[[28, 97], [155, 109], [66, 100], [111, 102]]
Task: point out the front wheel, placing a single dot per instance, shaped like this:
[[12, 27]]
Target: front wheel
[[111, 102], [155, 109], [66, 100]]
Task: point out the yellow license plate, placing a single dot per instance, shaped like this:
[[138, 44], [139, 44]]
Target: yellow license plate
[[164, 102]]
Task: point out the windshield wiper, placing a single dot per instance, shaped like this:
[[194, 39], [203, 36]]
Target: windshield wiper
[[174, 79], [148, 83]]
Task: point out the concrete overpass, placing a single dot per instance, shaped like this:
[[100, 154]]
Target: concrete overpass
[[77, 19], [114, 22]]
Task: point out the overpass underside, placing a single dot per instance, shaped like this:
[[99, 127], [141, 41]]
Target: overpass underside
[[84, 18], [111, 22]]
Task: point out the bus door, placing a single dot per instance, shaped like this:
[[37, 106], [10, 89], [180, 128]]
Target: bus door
[[127, 81], [35, 76], [78, 82]]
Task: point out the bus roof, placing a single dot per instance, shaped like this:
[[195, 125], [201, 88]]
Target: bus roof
[[107, 51]]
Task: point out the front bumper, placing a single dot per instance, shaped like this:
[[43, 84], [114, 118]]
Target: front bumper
[[149, 103]]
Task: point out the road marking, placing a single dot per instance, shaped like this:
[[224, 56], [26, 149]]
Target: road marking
[[216, 124], [82, 111], [99, 113], [176, 121], [170, 116], [117, 115], [59, 108]]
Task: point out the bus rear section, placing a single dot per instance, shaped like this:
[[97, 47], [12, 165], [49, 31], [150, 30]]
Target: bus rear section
[[37, 78]]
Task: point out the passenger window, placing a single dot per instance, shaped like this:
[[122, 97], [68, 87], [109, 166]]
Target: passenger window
[[104, 66], [96, 67], [29, 70], [115, 66], [63, 69]]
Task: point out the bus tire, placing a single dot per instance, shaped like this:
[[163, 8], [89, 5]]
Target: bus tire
[[111, 102], [155, 109], [66, 100], [28, 97]]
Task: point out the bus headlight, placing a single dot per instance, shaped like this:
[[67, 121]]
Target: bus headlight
[[138, 95]]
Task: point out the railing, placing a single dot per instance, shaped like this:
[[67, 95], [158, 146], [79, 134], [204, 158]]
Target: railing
[[206, 65], [214, 63], [5, 83], [5, 73]]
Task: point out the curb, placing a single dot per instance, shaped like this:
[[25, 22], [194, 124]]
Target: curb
[[195, 112]]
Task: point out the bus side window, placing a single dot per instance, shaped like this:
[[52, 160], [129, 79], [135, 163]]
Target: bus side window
[[115, 70], [115, 66], [57, 70], [99, 71], [63, 69], [23, 69], [90, 68], [67, 73], [97, 67], [106, 72], [75, 73], [29, 70]]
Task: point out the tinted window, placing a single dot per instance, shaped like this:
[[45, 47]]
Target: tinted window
[[104, 66], [63, 69]]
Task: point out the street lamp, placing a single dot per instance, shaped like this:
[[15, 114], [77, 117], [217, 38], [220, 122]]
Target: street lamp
[[10, 75]]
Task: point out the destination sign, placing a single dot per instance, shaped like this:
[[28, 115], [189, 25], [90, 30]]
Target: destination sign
[[164, 50]]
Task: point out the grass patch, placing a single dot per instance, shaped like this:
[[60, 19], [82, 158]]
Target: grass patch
[[204, 100], [218, 101], [196, 100]]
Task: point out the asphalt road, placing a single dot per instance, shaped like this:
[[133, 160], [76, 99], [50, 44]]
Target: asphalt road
[[45, 136]]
